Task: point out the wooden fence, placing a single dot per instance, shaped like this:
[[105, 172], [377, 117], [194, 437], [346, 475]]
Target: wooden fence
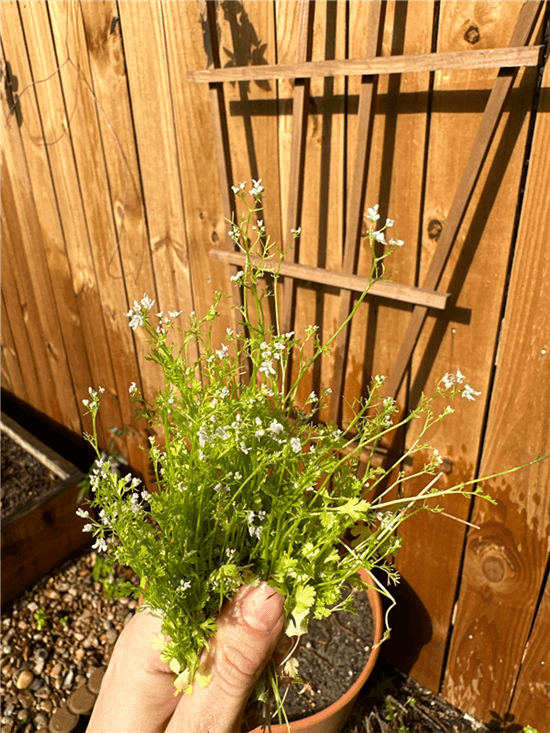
[[111, 188]]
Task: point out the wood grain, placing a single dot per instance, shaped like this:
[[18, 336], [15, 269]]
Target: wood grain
[[54, 135], [478, 59], [476, 275], [506, 559], [354, 283], [145, 52], [106, 84]]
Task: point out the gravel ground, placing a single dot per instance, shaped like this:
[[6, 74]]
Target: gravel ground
[[53, 640]]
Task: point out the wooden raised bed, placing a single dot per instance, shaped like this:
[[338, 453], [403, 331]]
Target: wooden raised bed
[[45, 531]]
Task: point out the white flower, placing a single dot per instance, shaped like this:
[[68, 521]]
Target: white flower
[[389, 222], [256, 189], [373, 214], [136, 319], [244, 448], [259, 433], [222, 353], [238, 277], [296, 232], [159, 315], [231, 554], [295, 445], [234, 233], [184, 585], [222, 433], [448, 380], [267, 367], [235, 189], [86, 403], [396, 242], [145, 495], [229, 331], [380, 237], [100, 545], [224, 393], [469, 393], [87, 528], [132, 388], [459, 376], [82, 513], [174, 314], [275, 428], [146, 302]]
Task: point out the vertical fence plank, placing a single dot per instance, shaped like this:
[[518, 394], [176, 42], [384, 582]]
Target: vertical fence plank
[[109, 86], [30, 387], [247, 37], [33, 276], [69, 38], [145, 51], [204, 215], [30, 281], [395, 182], [506, 558], [55, 137], [55, 255], [12, 374], [322, 204], [530, 701], [465, 335]]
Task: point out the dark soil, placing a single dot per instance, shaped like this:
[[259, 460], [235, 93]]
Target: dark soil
[[326, 672], [24, 478]]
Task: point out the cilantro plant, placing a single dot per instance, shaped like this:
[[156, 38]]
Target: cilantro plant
[[249, 487]]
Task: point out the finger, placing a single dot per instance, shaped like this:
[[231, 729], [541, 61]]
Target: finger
[[137, 692], [248, 631]]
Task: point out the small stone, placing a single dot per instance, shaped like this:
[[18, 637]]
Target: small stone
[[7, 671], [56, 670], [62, 587], [96, 677], [36, 684], [81, 701], [52, 594], [63, 721], [21, 715], [68, 681], [25, 699], [132, 604], [7, 727], [32, 606], [42, 693], [79, 655], [24, 679], [39, 667], [112, 636], [46, 706], [68, 598], [40, 721]]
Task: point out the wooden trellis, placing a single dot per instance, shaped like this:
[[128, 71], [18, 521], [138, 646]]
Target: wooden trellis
[[508, 60]]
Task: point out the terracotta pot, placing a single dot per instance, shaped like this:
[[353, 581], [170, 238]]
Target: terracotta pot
[[332, 719]]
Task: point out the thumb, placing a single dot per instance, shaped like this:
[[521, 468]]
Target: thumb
[[248, 631]]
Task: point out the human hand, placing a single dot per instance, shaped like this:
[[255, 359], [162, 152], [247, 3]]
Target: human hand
[[137, 693]]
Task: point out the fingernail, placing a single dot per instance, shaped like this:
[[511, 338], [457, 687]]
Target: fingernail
[[262, 607]]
